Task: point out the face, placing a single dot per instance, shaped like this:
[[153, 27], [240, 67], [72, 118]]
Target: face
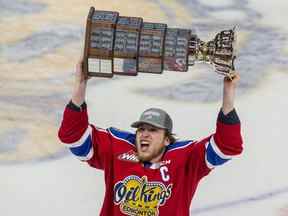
[[150, 143]]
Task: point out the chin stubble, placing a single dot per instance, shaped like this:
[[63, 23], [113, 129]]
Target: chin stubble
[[150, 157]]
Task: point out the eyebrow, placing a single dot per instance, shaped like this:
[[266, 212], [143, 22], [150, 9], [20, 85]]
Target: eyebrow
[[148, 128]]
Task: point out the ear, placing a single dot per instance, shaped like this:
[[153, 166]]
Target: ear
[[167, 141]]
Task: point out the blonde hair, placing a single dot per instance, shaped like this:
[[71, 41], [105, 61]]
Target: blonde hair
[[170, 136]]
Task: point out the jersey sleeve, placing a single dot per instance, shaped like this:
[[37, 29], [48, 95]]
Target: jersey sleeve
[[227, 141], [218, 148], [87, 142]]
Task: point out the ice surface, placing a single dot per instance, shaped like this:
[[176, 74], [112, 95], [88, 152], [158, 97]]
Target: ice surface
[[256, 183]]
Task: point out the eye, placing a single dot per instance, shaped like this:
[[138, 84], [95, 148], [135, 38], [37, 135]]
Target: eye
[[152, 129], [140, 129]]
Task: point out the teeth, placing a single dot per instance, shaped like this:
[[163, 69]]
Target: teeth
[[144, 142]]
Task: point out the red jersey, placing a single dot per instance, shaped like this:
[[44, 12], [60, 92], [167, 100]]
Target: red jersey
[[133, 188]]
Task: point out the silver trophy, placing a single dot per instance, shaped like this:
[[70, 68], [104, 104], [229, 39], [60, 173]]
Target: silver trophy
[[127, 45]]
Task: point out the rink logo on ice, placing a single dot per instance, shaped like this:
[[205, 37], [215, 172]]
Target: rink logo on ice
[[138, 196]]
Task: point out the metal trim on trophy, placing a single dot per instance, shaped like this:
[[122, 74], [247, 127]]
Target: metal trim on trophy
[[127, 45]]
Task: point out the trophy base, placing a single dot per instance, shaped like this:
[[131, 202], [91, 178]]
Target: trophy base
[[99, 67], [96, 74], [125, 66], [150, 65]]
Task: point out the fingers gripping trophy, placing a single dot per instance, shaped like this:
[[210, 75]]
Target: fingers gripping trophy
[[121, 45]]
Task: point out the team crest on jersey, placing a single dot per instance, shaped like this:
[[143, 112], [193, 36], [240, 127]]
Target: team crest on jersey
[[138, 196]]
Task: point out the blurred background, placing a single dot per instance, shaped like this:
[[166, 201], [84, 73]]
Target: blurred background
[[40, 44]]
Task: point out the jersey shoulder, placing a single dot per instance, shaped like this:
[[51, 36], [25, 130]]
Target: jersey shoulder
[[180, 145], [125, 136]]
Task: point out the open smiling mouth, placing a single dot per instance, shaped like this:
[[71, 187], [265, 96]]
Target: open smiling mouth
[[144, 145]]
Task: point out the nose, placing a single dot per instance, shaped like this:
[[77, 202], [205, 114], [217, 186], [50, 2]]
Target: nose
[[145, 133]]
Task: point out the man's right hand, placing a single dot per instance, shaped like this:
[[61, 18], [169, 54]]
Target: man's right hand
[[80, 75], [229, 93], [79, 90]]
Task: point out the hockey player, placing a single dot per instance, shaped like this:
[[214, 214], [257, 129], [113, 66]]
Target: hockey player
[[148, 172]]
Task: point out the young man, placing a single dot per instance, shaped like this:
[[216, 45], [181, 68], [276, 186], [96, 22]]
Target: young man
[[149, 173]]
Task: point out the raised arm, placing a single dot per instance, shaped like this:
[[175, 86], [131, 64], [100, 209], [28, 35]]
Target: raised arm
[[227, 141], [75, 131], [84, 140], [75, 119]]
